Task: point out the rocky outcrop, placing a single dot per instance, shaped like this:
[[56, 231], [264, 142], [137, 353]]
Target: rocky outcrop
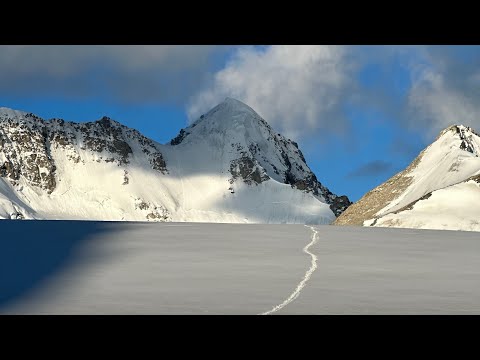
[[248, 170], [340, 204], [152, 212], [25, 152], [475, 178], [179, 138], [26, 142]]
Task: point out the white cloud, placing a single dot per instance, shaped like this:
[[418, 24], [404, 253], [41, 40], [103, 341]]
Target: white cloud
[[296, 88], [437, 104]]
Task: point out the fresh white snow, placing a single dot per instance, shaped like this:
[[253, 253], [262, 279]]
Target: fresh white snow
[[453, 208], [443, 171], [196, 187], [443, 164]]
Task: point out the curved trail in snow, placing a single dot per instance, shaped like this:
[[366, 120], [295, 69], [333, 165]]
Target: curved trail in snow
[[307, 276]]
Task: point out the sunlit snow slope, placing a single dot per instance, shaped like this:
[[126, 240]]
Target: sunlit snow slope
[[439, 190], [228, 166]]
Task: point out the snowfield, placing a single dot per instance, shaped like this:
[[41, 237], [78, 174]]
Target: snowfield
[[456, 207], [83, 267]]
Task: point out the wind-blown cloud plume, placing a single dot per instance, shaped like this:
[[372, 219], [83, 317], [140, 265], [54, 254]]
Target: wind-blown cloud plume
[[296, 88]]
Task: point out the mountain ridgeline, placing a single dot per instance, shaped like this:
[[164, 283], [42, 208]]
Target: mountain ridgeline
[[440, 189], [228, 166]]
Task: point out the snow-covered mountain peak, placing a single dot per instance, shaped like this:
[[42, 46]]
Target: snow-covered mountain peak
[[246, 146], [456, 128], [229, 115], [451, 160], [460, 137], [232, 107]]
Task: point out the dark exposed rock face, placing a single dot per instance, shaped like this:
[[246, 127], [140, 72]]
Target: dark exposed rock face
[[106, 135], [465, 134], [126, 180], [310, 183], [466, 143], [158, 163], [27, 142], [340, 204], [179, 138], [410, 206], [153, 212], [26, 151], [475, 178], [247, 169], [8, 170], [17, 216], [122, 148]]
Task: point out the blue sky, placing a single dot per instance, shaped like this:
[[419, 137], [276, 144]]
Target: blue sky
[[359, 113]]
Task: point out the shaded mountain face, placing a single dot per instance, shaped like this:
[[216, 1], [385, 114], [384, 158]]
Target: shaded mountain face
[[228, 166], [438, 190]]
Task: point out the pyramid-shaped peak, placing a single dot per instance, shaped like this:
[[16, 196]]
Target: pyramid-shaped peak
[[234, 106], [105, 121], [230, 112], [232, 101]]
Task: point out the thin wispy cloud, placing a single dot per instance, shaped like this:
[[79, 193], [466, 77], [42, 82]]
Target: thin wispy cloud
[[373, 168]]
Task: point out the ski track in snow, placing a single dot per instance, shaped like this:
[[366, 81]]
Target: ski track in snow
[[307, 276]]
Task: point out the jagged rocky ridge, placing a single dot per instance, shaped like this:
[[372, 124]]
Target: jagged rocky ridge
[[26, 142], [104, 170]]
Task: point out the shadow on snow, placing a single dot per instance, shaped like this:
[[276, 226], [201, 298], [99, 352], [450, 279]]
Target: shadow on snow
[[32, 251]]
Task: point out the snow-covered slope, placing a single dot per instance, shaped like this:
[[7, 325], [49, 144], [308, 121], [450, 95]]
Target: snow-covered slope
[[438, 190], [456, 207], [228, 166]]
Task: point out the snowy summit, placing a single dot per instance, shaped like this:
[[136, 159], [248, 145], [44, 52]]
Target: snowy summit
[[440, 189], [228, 166]]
